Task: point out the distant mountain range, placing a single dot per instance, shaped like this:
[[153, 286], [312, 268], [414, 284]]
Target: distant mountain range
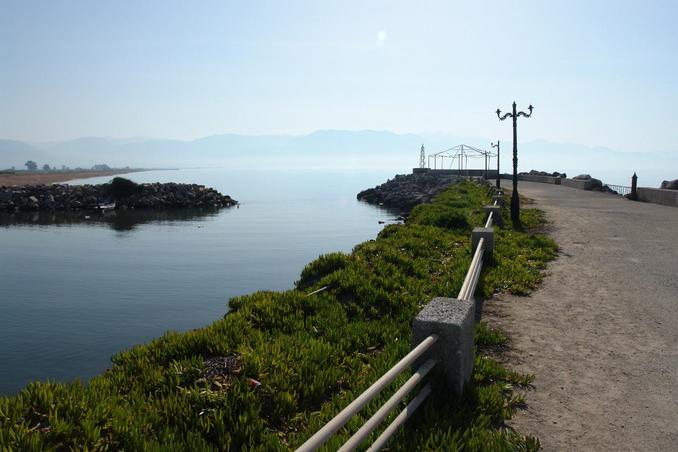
[[327, 149]]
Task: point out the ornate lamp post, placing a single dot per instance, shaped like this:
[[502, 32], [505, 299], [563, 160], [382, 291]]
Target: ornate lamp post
[[497, 146], [515, 202]]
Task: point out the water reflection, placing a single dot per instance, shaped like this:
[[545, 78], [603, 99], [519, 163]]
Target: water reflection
[[118, 220]]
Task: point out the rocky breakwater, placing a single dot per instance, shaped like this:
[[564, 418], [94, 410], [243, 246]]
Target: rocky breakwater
[[406, 191], [124, 193]]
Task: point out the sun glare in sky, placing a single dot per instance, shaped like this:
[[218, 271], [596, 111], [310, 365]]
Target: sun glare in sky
[[381, 37]]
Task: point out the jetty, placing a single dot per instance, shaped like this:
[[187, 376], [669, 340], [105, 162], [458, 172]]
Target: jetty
[[601, 334]]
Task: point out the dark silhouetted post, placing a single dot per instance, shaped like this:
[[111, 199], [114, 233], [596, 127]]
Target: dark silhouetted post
[[515, 201], [497, 146], [634, 187]]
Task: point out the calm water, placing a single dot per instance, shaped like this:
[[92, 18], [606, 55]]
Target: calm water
[[75, 291]]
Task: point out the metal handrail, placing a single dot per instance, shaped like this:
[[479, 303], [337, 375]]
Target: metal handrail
[[621, 190], [373, 422], [322, 435], [488, 224], [490, 217], [317, 291], [400, 419], [466, 292]]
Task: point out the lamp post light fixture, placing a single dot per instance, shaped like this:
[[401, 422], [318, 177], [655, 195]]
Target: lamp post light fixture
[[498, 177], [515, 201]]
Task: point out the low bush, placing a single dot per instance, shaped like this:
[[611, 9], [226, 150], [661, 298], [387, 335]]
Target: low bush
[[121, 188], [301, 359]]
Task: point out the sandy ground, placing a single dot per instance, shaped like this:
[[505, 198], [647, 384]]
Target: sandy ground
[[20, 178], [601, 334]]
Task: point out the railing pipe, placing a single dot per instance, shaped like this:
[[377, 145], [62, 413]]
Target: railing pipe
[[476, 278], [464, 293], [400, 419], [317, 291], [378, 417], [322, 435], [488, 224]]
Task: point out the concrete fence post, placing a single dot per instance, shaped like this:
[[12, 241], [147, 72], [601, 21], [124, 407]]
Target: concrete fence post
[[486, 233], [453, 322]]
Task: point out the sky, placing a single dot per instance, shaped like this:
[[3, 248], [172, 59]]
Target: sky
[[600, 73]]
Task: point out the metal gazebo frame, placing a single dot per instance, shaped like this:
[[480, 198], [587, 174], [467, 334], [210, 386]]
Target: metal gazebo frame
[[460, 153]]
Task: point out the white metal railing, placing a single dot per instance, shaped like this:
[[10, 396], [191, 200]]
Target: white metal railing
[[317, 291], [490, 219], [325, 433], [389, 406], [401, 419], [473, 273]]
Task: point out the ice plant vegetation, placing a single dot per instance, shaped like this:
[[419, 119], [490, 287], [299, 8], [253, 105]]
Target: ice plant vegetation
[[281, 364]]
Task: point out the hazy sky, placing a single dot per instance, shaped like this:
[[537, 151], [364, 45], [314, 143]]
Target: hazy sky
[[597, 72]]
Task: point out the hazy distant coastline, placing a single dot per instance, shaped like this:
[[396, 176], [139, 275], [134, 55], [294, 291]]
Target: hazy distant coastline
[[335, 149], [50, 177]]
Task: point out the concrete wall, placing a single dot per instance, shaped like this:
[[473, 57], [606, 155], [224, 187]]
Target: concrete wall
[[529, 178], [658, 196], [542, 179], [576, 183], [491, 174], [573, 183]]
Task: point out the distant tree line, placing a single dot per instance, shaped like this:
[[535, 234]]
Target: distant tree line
[[33, 166]]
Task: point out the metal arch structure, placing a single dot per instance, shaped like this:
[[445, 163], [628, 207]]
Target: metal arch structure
[[460, 155]]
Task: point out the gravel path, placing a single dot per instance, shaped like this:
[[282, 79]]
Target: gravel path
[[601, 334]]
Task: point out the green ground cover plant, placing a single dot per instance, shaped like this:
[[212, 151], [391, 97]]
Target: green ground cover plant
[[281, 364]]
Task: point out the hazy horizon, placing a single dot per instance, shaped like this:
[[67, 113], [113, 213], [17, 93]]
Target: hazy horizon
[[335, 149], [597, 74]]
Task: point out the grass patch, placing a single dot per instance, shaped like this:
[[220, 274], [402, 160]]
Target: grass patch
[[297, 360], [486, 336]]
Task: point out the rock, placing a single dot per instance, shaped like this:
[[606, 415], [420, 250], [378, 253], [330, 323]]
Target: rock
[[542, 173], [403, 192], [153, 196], [596, 184], [583, 177], [670, 185]]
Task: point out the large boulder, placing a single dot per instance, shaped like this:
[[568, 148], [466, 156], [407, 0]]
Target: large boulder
[[583, 177], [670, 184], [596, 184]]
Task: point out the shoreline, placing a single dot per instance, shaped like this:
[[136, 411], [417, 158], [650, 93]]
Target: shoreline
[[340, 340], [52, 177]]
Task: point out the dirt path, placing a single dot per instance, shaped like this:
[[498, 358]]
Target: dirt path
[[601, 335]]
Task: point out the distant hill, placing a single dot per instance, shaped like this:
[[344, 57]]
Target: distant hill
[[16, 153], [331, 148]]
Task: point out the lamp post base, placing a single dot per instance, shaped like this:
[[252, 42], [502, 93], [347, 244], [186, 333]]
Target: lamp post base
[[515, 210]]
